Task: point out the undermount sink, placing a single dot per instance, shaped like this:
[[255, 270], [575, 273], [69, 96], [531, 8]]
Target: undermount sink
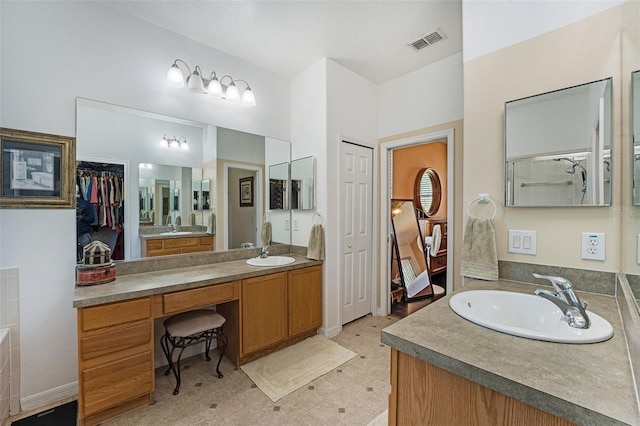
[[526, 315], [177, 233], [270, 261]]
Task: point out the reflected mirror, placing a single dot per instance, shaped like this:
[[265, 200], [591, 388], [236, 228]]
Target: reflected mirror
[[278, 183], [302, 184], [427, 191], [558, 147], [215, 157], [635, 134]]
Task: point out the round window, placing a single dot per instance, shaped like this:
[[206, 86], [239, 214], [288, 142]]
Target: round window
[[427, 191]]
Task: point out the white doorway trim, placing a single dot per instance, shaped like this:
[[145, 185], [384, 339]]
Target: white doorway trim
[[385, 225], [258, 190]]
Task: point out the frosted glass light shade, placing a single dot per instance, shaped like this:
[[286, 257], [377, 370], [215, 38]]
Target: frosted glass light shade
[[214, 87], [248, 98], [194, 83], [175, 77], [232, 92]]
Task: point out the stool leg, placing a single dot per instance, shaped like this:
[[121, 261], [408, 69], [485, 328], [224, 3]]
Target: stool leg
[[207, 346], [176, 371], [222, 351], [165, 348]]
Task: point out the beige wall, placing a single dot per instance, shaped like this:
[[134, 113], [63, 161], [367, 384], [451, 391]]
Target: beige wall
[[581, 52]]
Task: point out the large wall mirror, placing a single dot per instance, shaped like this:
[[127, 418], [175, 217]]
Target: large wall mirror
[[183, 184], [635, 134], [302, 184], [558, 147]]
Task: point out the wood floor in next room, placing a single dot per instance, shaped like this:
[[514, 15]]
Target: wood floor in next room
[[353, 394]]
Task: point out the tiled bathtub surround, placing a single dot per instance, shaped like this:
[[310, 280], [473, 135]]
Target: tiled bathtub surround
[[5, 366], [631, 323], [582, 280], [10, 319]]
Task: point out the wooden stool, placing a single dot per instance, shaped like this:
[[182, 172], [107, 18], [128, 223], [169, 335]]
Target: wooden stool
[[191, 328]]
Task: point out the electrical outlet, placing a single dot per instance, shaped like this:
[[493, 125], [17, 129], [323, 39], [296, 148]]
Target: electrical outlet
[[522, 242], [593, 245]]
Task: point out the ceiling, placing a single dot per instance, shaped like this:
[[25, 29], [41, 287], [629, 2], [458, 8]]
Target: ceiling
[[369, 37]]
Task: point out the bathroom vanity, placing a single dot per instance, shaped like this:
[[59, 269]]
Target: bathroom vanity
[[266, 308], [447, 370], [163, 245]]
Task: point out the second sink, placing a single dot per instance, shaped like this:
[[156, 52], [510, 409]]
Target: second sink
[[270, 261], [525, 315]]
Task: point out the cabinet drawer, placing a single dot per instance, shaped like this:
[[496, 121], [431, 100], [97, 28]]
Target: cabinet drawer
[[115, 313], [154, 244], [180, 242], [438, 263], [206, 241], [195, 249], [199, 297], [115, 341], [117, 382]]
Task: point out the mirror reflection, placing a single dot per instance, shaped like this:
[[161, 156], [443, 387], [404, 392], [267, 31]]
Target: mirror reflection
[[302, 184], [558, 147], [635, 134], [278, 183], [180, 190]]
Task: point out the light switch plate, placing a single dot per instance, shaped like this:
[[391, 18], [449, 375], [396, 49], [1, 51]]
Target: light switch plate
[[522, 242], [593, 245]]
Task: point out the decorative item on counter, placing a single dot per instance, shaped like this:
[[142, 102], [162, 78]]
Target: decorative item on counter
[[97, 267]]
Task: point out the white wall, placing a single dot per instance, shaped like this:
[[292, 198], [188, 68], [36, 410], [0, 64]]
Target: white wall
[[53, 52], [426, 97]]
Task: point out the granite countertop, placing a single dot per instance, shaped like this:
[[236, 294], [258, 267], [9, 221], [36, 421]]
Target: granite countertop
[[589, 384], [164, 281]]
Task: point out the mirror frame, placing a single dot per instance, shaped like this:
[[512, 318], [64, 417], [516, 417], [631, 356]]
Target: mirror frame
[[436, 186]]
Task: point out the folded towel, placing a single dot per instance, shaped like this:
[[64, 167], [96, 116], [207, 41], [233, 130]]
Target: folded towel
[[192, 218], [265, 234], [211, 224], [178, 220], [168, 221], [479, 253], [315, 248]]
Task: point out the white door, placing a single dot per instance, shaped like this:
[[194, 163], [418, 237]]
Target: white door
[[357, 230]]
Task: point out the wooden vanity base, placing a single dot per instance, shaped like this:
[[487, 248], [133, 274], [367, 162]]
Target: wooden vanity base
[[422, 394]]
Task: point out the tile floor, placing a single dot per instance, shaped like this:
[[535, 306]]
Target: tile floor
[[353, 394]]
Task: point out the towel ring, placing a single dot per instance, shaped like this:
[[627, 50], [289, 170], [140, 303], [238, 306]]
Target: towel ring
[[319, 216], [483, 198]]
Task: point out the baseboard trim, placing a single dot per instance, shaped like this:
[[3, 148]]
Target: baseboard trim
[[49, 397], [330, 332]]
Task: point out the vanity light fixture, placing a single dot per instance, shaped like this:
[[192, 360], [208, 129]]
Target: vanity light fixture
[[174, 142], [213, 86]]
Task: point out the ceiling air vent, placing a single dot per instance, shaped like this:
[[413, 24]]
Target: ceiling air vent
[[428, 39]]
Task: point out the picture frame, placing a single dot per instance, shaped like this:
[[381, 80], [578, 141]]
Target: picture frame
[[38, 170], [246, 192]]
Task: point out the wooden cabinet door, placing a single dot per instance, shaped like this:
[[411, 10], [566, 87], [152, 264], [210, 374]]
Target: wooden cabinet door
[[264, 311], [305, 299]]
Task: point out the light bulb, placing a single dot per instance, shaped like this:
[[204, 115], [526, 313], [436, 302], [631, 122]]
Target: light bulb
[[248, 98], [185, 145], [175, 77], [232, 92], [164, 142], [194, 82], [173, 143], [214, 87]]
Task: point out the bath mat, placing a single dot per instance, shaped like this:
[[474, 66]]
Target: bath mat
[[289, 369]]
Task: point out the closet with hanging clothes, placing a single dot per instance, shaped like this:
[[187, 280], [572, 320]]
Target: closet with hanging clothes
[[102, 185]]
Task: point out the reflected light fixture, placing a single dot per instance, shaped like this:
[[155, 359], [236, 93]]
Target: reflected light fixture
[[213, 86], [174, 142]]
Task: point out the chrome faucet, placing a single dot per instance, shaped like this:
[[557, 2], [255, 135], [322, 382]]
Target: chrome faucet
[[567, 300], [265, 252], [174, 228]]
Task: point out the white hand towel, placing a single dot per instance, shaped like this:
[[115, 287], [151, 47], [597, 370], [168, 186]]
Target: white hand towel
[[192, 218], [178, 220], [265, 234], [315, 248], [168, 220], [211, 224], [479, 253]]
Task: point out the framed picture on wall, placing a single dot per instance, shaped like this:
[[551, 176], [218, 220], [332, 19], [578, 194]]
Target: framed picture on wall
[[246, 192], [38, 170]]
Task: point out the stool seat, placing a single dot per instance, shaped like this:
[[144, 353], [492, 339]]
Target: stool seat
[[191, 328], [192, 322]]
